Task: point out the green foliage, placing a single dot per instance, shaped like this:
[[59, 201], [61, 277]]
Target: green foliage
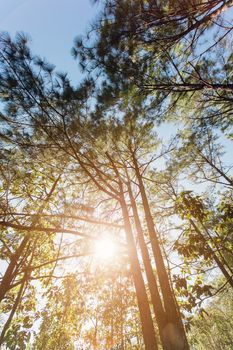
[[69, 153], [213, 328], [60, 319]]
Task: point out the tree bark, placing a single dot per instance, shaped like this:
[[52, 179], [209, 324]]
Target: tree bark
[[9, 273], [175, 331], [143, 303], [219, 263], [160, 314], [13, 310]]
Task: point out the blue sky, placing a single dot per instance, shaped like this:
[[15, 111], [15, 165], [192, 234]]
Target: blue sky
[[52, 26]]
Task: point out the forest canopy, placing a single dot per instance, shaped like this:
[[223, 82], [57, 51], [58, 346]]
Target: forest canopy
[[116, 202]]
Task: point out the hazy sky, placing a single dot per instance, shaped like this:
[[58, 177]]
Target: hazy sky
[[52, 26]]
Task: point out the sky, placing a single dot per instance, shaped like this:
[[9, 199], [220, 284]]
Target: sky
[[52, 26]]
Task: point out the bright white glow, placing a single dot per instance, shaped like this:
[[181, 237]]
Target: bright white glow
[[105, 249]]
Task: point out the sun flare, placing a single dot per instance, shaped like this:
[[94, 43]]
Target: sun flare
[[105, 249]]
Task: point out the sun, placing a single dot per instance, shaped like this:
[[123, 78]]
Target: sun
[[105, 249]]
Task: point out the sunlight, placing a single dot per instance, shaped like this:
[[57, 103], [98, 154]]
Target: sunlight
[[105, 249]]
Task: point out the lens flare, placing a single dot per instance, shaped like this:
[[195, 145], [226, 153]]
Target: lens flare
[[105, 249]]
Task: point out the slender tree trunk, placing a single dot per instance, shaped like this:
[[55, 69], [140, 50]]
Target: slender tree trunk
[[175, 331], [13, 265], [160, 314], [13, 310], [143, 303], [220, 264], [122, 336], [95, 344], [212, 165], [148, 330], [218, 250], [25, 279], [9, 274], [122, 341]]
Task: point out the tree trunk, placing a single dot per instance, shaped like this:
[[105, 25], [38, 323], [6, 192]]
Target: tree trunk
[[160, 314], [219, 263], [148, 330], [175, 330], [13, 310], [143, 303], [9, 274]]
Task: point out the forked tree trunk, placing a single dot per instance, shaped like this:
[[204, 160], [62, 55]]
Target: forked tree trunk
[[175, 330], [143, 303], [160, 314], [148, 330], [147, 325]]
